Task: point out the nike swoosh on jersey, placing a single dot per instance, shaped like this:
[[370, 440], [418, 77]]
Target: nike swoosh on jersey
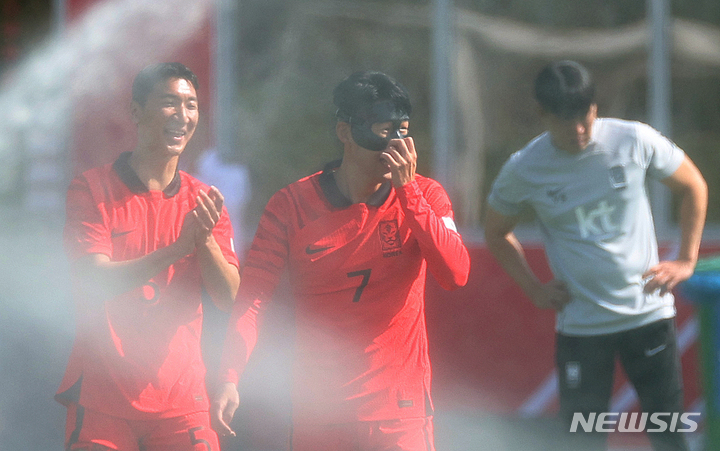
[[653, 351], [314, 250], [115, 233]]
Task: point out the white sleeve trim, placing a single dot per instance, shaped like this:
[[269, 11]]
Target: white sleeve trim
[[449, 223]]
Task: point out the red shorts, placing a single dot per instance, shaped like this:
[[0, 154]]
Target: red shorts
[[407, 434], [94, 431]]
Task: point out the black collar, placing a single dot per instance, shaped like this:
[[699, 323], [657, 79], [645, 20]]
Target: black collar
[[132, 181], [338, 199]]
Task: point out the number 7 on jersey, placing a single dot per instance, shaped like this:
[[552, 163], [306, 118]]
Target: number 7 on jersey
[[365, 273]]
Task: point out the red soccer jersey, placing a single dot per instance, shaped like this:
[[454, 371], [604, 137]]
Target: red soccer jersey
[[357, 274], [137, 356]]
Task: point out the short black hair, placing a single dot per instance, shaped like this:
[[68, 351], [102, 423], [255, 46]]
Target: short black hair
[[565, 89], [355, 95], [153, 74]]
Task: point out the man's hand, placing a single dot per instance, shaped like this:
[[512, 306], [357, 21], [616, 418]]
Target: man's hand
[[188, 233], [667, 274], [207, 212], [552, 295], [223, 409], [402, 158], [216, 196]]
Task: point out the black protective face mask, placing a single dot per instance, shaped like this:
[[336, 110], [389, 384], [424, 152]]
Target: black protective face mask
[[365, 138], [361, 127]]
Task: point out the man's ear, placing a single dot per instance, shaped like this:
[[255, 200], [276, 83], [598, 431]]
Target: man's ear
[[344, 134]]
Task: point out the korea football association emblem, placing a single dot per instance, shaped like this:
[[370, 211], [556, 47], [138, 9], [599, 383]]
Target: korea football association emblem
[[617, 177], [390, 240]]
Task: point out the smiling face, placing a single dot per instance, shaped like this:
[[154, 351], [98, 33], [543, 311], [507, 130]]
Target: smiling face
[[168, 119]]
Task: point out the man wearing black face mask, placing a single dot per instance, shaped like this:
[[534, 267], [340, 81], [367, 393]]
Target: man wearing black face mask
[[394, 115], [356, 239]]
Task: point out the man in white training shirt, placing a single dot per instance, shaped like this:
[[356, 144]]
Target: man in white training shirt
[[584, 180]]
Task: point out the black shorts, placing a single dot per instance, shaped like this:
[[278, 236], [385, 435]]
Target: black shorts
[[650, 359]]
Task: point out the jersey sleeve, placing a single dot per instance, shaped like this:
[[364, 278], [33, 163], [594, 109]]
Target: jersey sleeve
[[264, 266], [223, 233], [659, 155], [507, 195], [86, 228], [431, 219]]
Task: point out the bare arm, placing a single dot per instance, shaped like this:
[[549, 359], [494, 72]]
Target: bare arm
[[503, 244], [690, 185], [220, 278]]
